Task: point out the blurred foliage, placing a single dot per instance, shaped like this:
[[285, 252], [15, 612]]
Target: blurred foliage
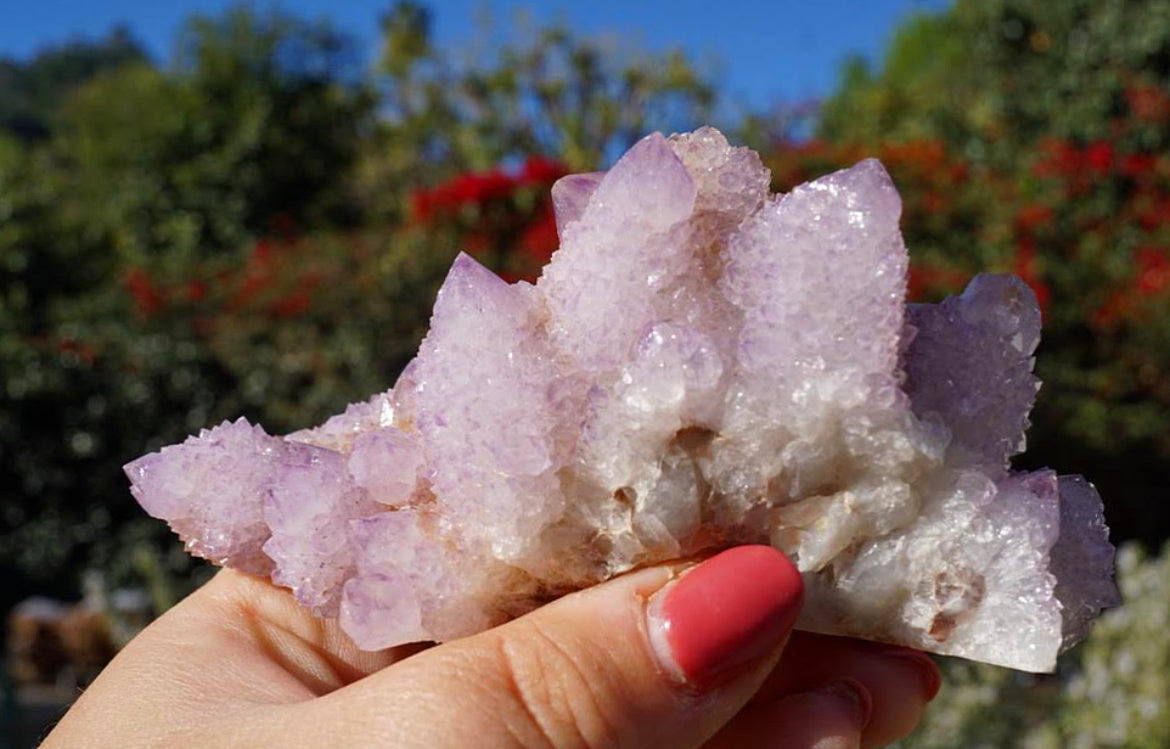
[[256, 123], [536, 91], [1033, 137], [990, 76], [144, 167], [1111, 692], [258, 227], [32, 91]]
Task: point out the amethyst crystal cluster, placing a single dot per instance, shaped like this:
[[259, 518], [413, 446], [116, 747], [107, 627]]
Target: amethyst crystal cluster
[[702, 364]]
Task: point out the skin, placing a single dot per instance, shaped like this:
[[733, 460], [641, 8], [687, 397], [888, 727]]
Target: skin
[[239, 663]]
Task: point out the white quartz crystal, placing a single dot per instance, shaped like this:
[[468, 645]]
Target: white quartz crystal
[[702, 364]]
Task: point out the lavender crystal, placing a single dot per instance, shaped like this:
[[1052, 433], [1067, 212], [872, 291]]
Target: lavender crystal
[[702, 364]]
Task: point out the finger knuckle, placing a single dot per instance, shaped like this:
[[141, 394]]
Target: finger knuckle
[[566, 694]]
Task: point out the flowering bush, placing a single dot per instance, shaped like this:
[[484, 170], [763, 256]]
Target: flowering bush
[[934, 188], [259, 229], [1086, 222], [504, 220], [294, 326], [1059, 112]]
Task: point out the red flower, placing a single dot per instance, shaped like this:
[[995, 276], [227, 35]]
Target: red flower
[[293, 304], [476, 244], [471, 188], [1099, 156], [1137, 165], [924, 277], [256, 275], [421, 208], [1028, 273], [1148, 103], [477, 188], [249, 288], [540, 239], [1152, 279], [542, 170], [915, 283], [1152, 210], [1153, 271], [1032, 216], [299, 300], [261, 254], [1060, 157], [195, 291], [147, 298], [928, 155], [480, 188], [1107, 315]]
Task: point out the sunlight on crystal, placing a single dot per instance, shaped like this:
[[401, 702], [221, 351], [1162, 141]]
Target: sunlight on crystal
[[702, 364]]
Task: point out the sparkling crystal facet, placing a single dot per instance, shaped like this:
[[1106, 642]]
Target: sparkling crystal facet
[[702, 364]]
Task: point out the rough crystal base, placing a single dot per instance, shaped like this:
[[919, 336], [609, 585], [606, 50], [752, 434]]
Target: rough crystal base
[[702, 364]]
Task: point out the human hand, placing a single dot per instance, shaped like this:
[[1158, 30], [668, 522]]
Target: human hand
[[699, 656]]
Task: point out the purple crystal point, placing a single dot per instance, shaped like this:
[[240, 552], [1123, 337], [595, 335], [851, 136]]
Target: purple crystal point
[[570, 196], [483, 415], [1082, 560], [210, 490], [970, 364], [407, 588], [820, 274], [387, 464], [623, 252], [702, 364], [309, 504]]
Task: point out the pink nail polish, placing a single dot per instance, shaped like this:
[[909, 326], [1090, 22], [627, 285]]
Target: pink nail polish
[[732, 609]]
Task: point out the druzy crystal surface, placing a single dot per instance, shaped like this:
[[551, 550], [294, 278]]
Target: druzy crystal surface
[[702, 364]]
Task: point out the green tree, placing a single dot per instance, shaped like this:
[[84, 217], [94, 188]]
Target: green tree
[[235, 233], [284, 101], [256, 123], [111, 229], [537, 90], [989, 77], [1058, 113], [31, 92]]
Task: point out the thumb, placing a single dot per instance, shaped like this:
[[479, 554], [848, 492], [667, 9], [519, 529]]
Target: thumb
[[660, 657]]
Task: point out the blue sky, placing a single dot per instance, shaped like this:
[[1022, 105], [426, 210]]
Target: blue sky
[[763, 51]]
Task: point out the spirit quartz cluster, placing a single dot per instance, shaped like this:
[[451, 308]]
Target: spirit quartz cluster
[[702, 364]]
